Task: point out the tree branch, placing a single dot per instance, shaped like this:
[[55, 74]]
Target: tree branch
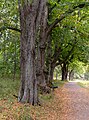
[[81, 5], [15, 29], [11, 28], [70, 52]]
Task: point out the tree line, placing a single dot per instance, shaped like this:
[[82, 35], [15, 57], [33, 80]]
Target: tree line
[[43, 34]]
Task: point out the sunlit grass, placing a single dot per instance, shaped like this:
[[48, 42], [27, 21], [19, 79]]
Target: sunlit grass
[[59, 83], [84, 84]]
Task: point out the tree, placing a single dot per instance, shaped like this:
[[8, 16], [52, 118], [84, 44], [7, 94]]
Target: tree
[[69, 24], [30, 22]]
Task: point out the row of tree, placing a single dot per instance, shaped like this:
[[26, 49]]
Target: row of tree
[[51, 34]]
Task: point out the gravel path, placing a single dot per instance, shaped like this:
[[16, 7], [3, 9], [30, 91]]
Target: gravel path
[[75, 102]]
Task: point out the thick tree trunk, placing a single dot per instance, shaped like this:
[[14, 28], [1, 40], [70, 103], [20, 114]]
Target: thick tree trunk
[[50, 75], [40, 68], [29, 20], [48, 59], [41, 48], [64, 72]]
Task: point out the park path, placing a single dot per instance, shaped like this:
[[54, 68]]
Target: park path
[[74, 102]]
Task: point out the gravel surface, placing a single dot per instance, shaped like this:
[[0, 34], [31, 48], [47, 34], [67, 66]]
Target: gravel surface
[[75, 102]]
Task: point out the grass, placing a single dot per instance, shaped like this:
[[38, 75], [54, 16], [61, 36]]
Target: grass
[[84, 84], [8, 88], [59, 83], [10, 109]]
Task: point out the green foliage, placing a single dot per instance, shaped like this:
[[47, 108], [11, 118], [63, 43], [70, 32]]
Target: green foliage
[[70, 34], [9, 53], [10, 41], [77, 66]]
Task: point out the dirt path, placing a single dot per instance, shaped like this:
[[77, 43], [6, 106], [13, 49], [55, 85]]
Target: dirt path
[[75, 102]]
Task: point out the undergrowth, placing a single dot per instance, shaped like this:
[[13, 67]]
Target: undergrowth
[[8, 88]]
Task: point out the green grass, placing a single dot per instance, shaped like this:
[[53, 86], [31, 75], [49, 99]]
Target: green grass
[[59, 83], [46, 97], [84, 84], [8, 88], [9, 106]]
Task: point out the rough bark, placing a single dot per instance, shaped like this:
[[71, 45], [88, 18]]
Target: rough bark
[[29, 21], [41, 48], [48, 59]]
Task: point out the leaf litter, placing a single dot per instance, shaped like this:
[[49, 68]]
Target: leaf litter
[[70, 102]]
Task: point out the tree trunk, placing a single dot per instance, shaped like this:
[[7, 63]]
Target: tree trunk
[[50, 75], [14, 70], [64, 72], [71, 75], [48, 59], [41, 48], [29, 21]]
